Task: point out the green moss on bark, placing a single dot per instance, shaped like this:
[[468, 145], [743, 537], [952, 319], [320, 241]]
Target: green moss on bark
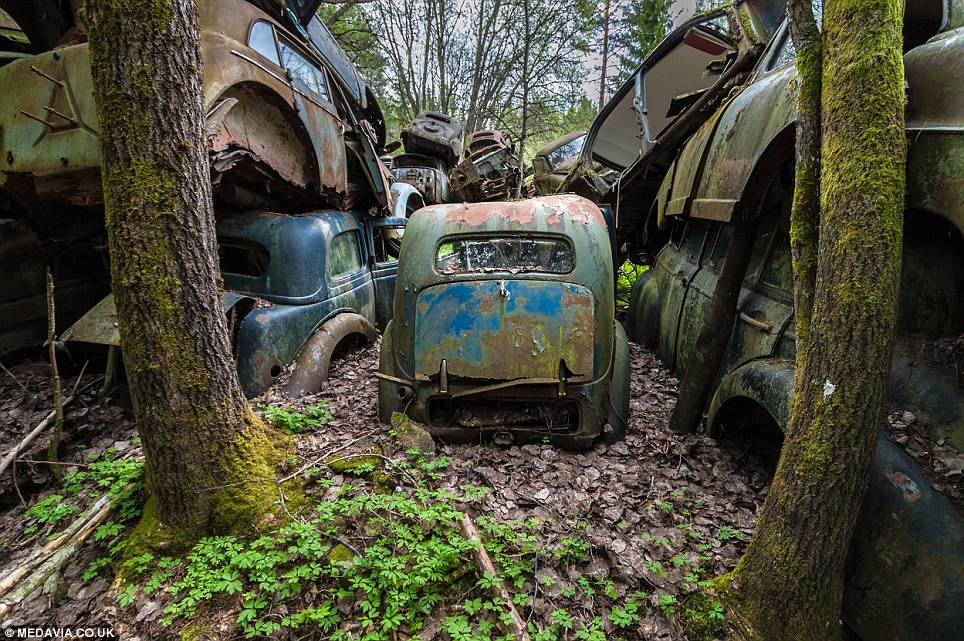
[[151, 536], [250, 488], [701, 618]]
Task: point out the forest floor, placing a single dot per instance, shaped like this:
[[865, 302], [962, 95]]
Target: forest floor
[[603, 544]]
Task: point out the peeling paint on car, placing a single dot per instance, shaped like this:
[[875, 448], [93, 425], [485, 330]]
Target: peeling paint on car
[[507, 347]]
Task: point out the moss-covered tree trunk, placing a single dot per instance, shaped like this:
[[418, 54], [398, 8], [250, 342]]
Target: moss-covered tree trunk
[[209, 459], [789, 584]]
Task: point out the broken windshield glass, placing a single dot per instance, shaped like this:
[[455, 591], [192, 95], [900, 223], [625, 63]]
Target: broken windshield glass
[[511, 254]]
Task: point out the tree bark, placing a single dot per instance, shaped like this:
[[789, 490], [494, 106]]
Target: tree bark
[[789, 584], [704, 362], [805, 213], [209, 459]]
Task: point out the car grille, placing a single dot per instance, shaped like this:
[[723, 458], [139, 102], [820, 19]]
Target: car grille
[[551, 417]]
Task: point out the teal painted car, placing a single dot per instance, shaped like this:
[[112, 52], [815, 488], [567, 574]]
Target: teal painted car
[[298, 289], [503, 326], [905, 570]]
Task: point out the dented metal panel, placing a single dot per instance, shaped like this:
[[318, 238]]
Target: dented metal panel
[[505, 329], [434, 134], [504, 325]]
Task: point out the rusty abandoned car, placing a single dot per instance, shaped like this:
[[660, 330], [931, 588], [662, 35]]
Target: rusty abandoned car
[[292, 128], [717, 148], [298, 289], [433, 143], [489, 168], [504, 327], [553, 162]]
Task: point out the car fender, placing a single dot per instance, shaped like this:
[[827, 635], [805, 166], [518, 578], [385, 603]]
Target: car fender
[[767, 382], [619, 386], [312, 362], [408, 200], [394, 393], [644, 310]]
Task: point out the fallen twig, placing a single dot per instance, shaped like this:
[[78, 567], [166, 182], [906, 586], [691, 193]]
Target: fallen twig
[[328, 456], [497, 588], [17, 380], [34, 433], [40, 561]]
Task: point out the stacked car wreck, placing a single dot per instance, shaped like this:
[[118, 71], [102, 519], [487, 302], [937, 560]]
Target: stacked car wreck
[[432, 142], [434, 162], [292, 129]]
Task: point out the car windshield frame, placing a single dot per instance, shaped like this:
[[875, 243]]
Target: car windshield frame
[[505, 253]]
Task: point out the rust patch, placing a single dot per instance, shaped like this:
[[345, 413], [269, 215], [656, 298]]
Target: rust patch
[[575, 208], [902, 482], [478, 214], [486, 304], [578, 209]]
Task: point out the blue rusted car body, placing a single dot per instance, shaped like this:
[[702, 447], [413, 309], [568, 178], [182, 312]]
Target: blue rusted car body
[[905, 571], [504, 325], [297, 289]]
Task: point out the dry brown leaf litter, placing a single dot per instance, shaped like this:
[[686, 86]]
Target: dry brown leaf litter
[[651, 508]]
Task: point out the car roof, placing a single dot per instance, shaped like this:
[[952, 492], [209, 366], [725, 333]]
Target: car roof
[[568, 215]]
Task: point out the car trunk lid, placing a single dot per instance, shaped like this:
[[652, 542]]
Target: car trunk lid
[[505, 330]]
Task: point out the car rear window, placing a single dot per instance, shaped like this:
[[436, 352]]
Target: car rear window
[[511, 254], [242, 257]]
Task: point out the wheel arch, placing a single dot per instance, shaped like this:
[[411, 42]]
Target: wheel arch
[[311, 365], [254, 116], [761, 385], [776, 157]]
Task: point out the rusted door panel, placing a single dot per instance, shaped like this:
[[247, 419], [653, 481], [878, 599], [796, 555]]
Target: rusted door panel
[[679, 266], [745, 129], [505, 329], [675, 272], [756, 330], [762, 310], [326, 132]]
